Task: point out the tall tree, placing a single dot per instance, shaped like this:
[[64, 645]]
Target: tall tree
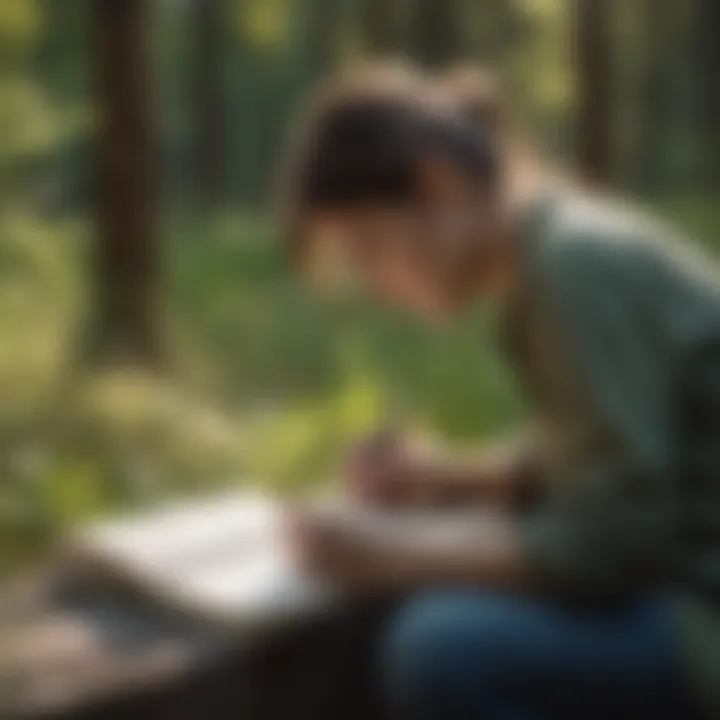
[[592, 58], [655, 92], [126, 165], [323, 35], [665, 45], [436, 31], [60, 61], [381, 25], [708, 90], [210, 102]]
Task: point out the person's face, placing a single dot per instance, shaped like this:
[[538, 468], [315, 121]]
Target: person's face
[[384, 251], [414, 256]]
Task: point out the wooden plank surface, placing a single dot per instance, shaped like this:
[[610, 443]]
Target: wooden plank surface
[[70, 655], [62, 650]]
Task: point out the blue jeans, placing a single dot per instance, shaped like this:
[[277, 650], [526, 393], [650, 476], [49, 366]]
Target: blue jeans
[[467, 655]]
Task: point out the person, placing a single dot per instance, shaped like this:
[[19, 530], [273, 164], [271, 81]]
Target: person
[[600, 596]]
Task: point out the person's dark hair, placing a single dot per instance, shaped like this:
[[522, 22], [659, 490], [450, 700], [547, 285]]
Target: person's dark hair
[[366, 133]]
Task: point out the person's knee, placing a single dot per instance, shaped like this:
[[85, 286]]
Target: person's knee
[[443, 646], [415, 649]]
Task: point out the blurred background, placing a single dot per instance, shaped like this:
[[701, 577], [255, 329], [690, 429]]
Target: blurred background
[[153, 341]]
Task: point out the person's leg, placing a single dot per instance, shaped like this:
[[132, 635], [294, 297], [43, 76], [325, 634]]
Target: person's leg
[[471, 654]]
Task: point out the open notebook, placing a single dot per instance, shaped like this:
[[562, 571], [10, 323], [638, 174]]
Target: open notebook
[[222, 560], [225, 560]]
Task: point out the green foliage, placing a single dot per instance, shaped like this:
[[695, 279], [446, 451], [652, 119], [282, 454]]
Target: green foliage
[[20, 23], [265, 26], [700, 216], [272, 380]]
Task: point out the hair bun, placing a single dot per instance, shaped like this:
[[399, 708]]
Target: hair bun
[[477, 95]]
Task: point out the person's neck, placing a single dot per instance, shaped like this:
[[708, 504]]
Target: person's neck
[[492, 269], [497, 273], [523, 194], [488, 272]]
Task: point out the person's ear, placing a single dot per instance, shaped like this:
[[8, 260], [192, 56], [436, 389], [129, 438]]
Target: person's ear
[[441, 182]]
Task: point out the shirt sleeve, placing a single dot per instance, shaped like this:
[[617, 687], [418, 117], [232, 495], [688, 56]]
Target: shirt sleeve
[[609, 527]]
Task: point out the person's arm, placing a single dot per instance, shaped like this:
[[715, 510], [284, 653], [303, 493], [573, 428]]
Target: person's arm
[[385, 554], [502, 478], [392, 473], [610, 527]]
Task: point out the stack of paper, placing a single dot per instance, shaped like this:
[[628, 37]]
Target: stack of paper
[[222, 559]]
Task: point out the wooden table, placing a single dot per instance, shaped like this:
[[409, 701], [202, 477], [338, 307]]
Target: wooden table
[[70, 654]]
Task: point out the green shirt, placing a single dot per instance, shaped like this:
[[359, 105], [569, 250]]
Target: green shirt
[[616, 335]]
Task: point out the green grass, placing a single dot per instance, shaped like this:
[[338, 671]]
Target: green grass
[[272, 339], [271, 381], [309, 373]]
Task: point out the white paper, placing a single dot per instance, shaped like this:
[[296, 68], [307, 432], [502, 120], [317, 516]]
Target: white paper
[[223, 559]]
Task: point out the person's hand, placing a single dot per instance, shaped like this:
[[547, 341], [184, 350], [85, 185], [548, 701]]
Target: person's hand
[[366, 557], [386, 470], [329, 549], [390, 471]]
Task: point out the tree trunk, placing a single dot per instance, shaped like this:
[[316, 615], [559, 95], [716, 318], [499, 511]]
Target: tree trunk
[[655, 91], [210, 103], [592, 57], [126, 164], [381, 27], [437, 37], [323, 33], [708, 92]]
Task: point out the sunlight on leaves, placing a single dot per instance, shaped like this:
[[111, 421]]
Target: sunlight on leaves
[[265, 23]]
